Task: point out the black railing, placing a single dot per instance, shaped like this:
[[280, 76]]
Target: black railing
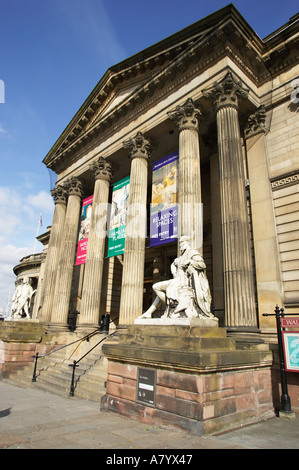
[[75, 363], [285, 398], [103, 328], [38, 356]]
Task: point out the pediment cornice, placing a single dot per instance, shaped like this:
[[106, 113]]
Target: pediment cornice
[[171, 62]]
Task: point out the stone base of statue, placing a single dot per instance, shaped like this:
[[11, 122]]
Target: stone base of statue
[[165, 321], [183, 375], [18, 342]]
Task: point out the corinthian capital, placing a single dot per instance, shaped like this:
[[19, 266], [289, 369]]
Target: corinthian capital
[[185, 116], [102, 169], [256, 122], [59, 194], [74, 187], [139, 146], [227, 92]]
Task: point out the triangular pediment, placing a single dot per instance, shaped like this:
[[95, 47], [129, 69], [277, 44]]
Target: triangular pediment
[[135, 79]]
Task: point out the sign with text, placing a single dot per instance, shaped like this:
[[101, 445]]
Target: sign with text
[[291, 350], [118, 217], [164, 207], [84, 230], [146, 386], [290, 339]]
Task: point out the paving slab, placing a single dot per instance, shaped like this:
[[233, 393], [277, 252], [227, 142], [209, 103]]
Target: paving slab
[[33, 419]]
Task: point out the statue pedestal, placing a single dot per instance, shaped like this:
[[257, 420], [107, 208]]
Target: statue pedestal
[[187, 377], [199, 322]]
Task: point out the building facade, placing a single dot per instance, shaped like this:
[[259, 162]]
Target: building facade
[[198, 136], [226, 101]]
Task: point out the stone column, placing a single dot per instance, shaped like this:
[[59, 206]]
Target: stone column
[[189, 199], [51, 265], [269, 287], [92, 284], [239, 301], [67, 253], [131, 301]]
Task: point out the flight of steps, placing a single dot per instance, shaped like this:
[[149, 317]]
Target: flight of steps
[[54, 375]]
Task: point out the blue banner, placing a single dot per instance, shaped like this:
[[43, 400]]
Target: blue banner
[[164, 207]]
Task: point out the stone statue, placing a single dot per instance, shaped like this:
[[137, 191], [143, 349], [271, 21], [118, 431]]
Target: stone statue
[[187, 295], [22, 299]]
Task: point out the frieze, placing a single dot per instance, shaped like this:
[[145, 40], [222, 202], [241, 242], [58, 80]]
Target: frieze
[[285, 181], [145, 95]]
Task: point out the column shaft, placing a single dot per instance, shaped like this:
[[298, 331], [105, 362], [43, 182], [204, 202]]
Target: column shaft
[[51, 264], [268, 282], [189, 198], [131, 302], [92, 284], [239, 298], [238, 278], [68, 253]]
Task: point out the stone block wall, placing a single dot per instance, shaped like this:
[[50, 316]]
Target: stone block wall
[[197, 403]]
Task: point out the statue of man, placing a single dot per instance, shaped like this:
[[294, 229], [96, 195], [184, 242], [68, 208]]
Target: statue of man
[[188, 293], [16, 298], [24, 299]]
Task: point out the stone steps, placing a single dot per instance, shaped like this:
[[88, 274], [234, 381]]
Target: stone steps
[[54, 375]]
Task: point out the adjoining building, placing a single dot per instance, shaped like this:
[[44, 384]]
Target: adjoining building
[[196, 135]]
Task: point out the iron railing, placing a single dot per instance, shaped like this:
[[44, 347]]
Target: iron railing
[[285, 398], [104, 328]]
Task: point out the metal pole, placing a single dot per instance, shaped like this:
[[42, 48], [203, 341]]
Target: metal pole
[[72, 389], [285, 399], [34, 370]]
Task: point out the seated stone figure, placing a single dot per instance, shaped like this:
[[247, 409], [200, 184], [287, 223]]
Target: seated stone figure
[[187, 295]]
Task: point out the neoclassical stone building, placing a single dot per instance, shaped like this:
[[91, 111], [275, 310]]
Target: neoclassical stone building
[[226, 103]]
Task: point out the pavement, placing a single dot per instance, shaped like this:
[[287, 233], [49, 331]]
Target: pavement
[[33, 419]]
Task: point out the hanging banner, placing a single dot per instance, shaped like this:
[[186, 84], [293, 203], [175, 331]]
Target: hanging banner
[[164, 208], [118, 218], [84, 230]]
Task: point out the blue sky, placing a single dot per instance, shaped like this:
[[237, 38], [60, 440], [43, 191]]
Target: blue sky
[[53, 53]]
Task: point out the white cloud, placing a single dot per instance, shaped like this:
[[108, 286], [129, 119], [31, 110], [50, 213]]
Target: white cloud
[[42, 201], [19, 217], [2, 130]]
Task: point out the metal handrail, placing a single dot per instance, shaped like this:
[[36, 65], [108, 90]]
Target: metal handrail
[[37, 356], [75, 363]]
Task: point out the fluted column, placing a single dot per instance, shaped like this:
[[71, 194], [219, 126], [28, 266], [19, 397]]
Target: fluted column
[[67, 253], [268, 282], [92, 284], [189, 197], [51, 265], [131, 301], [239, 295]]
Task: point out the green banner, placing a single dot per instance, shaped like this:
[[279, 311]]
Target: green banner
[[118, 218]]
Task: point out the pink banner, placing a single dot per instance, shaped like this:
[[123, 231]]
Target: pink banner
[[84, 230]]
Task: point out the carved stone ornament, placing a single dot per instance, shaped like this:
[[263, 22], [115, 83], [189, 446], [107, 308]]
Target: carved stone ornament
[[185, 116], [102, 169], [256, 122], [74, 187], [138, 146], [59, 194], [227, 92]]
